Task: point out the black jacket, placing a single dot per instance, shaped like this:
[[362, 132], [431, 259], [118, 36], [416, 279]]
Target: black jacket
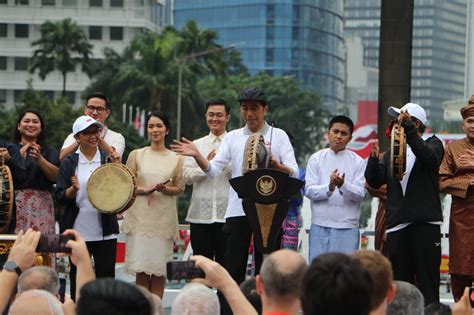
[[66, 170], [421, 202]]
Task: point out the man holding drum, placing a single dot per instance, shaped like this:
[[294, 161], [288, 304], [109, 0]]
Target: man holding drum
[[253, 108], [413, 207], [113, 143], [456, 176], [210, 195]]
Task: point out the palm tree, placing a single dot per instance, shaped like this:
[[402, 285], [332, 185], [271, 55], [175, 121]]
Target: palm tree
[[62, 46]]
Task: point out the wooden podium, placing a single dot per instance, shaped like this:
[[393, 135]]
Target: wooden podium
[[265, 195]]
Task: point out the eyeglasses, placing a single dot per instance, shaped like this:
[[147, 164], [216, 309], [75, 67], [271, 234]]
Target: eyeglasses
[[92, 108], [212, 115]]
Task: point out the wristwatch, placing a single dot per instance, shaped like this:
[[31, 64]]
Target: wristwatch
[[12, 266]]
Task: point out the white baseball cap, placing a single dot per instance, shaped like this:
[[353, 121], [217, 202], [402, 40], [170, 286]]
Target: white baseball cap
[[413, 109], [84, 122]]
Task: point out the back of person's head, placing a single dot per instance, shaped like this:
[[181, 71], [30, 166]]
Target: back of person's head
[[380, 271], [437, 308], [39, 302], [248, 288], [342, 120], [39, 277], [336, 283], [107, 296], [281, 274], [195, 299], [407, 301], [155, 301]]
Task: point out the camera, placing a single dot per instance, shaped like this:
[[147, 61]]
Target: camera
[[178, 270], [54, 243]]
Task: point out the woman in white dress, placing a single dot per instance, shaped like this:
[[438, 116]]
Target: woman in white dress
[[152, 222]]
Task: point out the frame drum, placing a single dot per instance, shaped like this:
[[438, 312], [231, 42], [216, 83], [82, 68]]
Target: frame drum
[[398, 153], [6, 198], [255, 153], [112, 188]]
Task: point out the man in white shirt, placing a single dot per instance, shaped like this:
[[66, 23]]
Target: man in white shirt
[[253, 108], [97, 106], [335, 185], [210, 195]]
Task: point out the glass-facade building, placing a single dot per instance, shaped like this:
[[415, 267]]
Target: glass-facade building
[[438, 52], [280, 37]]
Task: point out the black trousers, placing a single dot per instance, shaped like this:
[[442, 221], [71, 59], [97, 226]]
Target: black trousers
[[209, 240], [238, 234], [104, 261], [415, 254]]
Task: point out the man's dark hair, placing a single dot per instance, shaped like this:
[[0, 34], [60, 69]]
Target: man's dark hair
[[101, 96], [249, 289], [218, 101], [343, 120], [253, 94], [336, 283], [107, 296]]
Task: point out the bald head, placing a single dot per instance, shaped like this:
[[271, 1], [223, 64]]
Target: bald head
[[38, 302], [281, 273]]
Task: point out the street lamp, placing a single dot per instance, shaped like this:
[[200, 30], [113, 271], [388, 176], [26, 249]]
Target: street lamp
[[182, 62]]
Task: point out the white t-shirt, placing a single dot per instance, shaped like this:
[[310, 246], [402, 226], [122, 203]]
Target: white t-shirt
[[88, 221]]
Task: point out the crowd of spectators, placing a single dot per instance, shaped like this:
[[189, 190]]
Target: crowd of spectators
[[334, 283]]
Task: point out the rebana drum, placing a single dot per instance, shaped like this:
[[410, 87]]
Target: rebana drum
[[6, 195], [112, 188]]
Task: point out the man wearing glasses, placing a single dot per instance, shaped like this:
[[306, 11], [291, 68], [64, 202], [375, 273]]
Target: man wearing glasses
[[210, 195], [113, 143]]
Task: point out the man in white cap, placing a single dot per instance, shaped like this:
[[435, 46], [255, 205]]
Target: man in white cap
[[413, 207]]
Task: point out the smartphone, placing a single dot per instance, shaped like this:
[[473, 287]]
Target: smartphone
[[54, 243], [471, 296], [178, 270], [62, 289]]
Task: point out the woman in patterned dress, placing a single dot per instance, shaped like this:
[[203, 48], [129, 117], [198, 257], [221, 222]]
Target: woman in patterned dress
[[151, 224], [33, 195]]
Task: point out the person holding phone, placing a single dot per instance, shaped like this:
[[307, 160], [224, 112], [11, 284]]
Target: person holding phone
[[151, 223], [99, 230], [33, 195]]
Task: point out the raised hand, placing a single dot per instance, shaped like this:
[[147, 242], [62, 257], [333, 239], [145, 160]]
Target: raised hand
[[184, 147], [375, 149], [404, 116], [4, 154], [211, 154], [24, 248]]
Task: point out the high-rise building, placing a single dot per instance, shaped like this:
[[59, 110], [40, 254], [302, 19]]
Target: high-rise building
[[107, 23], [438, 53], [280, 37]]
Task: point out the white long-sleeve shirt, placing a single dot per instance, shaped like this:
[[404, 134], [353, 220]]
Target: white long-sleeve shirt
[[341, 207], [232, 151], [210, 195]]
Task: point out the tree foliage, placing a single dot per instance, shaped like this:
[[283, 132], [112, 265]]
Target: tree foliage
[[62, 46], [146, 73], [297, 111]]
